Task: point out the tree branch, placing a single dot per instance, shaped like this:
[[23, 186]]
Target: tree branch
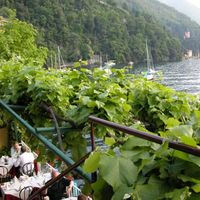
[[50, 110]]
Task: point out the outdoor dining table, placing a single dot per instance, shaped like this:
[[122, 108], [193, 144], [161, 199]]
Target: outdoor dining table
[[7, 162], [11, 190]]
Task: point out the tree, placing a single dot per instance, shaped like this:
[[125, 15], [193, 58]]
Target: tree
[[18, 41], [7, 13]]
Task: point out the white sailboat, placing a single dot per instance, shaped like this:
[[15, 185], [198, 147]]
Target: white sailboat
[[107, 67], [109, 64], [149, 74]]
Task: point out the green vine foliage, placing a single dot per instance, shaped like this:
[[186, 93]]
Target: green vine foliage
[[139, 168], [18, 42]]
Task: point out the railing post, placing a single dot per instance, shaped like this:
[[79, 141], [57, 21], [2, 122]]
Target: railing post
[[94, 174], [92, 136]]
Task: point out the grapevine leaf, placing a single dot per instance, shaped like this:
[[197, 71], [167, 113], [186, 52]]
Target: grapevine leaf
[[171, 122], [109, 141], [110, 110], [196, 188], [135, 155], [121, 191], [184, 133], [178, 194], [85, 100], [133, 142], [102, 190], [188, 179], [162, 150], [187, 157], [92, 162], [155, 185], [117, 171]]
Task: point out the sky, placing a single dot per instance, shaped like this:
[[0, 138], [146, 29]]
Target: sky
[[191, 8], [195, 2]]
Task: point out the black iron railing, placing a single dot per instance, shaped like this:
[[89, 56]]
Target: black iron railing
[[147, 136]]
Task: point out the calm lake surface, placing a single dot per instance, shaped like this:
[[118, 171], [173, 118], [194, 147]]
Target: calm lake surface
[[182, 76]]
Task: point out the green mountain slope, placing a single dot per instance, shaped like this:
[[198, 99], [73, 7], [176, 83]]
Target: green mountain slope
[[175, 22], [85, 27]]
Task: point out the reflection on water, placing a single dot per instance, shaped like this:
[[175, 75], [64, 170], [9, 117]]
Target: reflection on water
[[182, 76]]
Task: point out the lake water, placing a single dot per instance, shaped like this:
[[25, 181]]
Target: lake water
[[182, 76]]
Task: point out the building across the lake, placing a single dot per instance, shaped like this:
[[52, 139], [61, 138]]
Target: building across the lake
[[188, 54]]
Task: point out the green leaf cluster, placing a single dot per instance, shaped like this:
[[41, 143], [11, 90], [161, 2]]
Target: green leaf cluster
[[139, 168], [143, 170], [18, 43]]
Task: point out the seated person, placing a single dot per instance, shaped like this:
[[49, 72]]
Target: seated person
[[15, 149], [25, 157], [59, 188]]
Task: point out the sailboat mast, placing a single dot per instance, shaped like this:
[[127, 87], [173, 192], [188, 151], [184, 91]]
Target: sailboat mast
[[148, 59], [59, 60]]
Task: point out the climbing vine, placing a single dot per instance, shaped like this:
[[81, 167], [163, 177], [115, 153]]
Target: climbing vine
[[139, 168]]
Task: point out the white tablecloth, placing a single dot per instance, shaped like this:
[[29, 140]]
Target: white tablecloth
[[13, 187], [8, 164]]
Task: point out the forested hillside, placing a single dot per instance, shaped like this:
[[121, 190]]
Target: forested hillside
[[82, 28], [176, 23]]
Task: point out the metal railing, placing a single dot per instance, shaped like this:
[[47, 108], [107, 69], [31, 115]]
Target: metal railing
[[38, 135], [147, 136]]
